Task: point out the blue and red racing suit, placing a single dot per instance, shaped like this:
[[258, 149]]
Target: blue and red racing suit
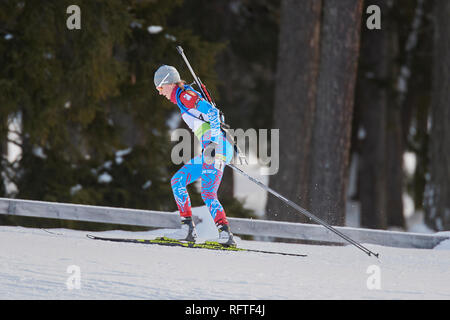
[[203, 119]]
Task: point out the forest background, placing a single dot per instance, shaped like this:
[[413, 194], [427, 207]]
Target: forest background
[[80, 110]]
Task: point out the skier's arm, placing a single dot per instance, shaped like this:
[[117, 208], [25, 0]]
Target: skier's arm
[[214, 120], [190, 99]]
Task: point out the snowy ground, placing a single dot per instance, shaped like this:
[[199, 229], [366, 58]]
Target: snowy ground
[[34, 264]]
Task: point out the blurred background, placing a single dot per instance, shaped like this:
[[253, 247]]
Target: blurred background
[[363, 113]]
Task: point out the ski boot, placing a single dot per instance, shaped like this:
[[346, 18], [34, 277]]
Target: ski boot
[[186, 233], [225, 236]]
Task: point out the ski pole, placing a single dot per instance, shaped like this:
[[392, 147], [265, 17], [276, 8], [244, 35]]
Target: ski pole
[[204, 92], [304, 211], [201, 86], [197, 80]]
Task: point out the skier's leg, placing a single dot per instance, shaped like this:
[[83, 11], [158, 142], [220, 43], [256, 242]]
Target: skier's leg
[[210, 182], [211, 178], [190, 172]]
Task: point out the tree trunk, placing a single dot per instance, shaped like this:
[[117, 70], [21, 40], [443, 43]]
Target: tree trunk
[[333, 115], [3, 154], [437, 194], [372, 104], [394, 168], [295, 96]]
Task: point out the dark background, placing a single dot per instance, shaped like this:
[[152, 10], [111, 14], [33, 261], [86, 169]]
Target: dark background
[[340, 93]]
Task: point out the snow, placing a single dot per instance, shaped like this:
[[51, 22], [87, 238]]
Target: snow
[[444, 245], [416, 223], [14, 132], [361, 133], [147, 184], [38, 151], [75, 189], [170, 37], [252, 195], [410, 162], [14, 151], [136, 24], [174, 121], [121, 153], [154, 29], [105, 178], [41, 264]]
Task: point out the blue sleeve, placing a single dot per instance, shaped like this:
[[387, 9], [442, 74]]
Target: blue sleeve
[[214, 119]]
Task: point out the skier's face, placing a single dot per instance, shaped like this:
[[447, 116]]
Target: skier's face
[[166, 90]]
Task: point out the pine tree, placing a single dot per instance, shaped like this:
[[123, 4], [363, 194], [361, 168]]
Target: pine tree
[[94, 129]]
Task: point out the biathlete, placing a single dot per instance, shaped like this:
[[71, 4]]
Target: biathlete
[[203, 119]]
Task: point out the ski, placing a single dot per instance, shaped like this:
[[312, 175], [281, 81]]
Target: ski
[[210, 245]]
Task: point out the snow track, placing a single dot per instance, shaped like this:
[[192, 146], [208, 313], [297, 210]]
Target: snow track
[[34, 264]]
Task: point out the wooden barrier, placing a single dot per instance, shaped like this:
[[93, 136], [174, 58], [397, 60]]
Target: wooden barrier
[[254, 227], [77, 212]]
